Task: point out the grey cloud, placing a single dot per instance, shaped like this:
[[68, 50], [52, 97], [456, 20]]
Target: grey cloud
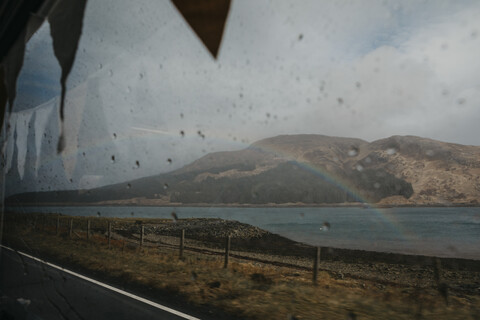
[[367, 70]]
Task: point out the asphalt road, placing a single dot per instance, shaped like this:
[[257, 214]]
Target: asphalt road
[[30, 289]]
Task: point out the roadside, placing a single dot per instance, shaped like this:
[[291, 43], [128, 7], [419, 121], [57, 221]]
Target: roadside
[[35, 289], [261, 286]]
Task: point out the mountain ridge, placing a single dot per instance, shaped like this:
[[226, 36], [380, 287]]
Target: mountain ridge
[[307, 169]]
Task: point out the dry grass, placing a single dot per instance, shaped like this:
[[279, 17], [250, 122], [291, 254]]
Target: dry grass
[[246, 289]]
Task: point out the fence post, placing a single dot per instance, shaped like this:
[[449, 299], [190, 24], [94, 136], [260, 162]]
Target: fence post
[[88, 229], [182, 243], [437, 270], [71, 228], [142, 234], [58, 225], [316, 262], [109, 233], [227, 252], [442, 287]]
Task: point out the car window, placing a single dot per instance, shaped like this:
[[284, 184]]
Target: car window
[[273, 159]]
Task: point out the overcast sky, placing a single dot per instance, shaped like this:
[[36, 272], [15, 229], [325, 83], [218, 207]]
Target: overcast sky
[[364, 69]]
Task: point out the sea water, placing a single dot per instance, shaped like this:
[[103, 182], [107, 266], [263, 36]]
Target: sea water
[[444, 232]]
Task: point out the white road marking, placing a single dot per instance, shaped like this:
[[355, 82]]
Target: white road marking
[[128, 294]]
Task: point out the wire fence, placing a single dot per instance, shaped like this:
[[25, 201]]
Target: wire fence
[[220, 238], [134, 234]]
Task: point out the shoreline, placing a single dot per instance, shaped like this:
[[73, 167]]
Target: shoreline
[[211, 232], [240, 205], [88, 212]]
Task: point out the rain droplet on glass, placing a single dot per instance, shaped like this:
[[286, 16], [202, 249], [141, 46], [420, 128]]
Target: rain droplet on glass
[[174, 216], [353, 151], [325, 226], [391, 151]]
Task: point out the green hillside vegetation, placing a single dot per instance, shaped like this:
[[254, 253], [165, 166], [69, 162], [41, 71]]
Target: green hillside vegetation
[[289, 182]]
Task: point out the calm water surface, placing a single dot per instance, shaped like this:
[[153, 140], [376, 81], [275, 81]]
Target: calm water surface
[[446, 232]]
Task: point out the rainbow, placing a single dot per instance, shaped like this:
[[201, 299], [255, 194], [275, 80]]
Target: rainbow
[[383, 214]]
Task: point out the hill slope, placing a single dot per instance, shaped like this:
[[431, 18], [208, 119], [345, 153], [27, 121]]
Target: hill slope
[[310, 169]]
